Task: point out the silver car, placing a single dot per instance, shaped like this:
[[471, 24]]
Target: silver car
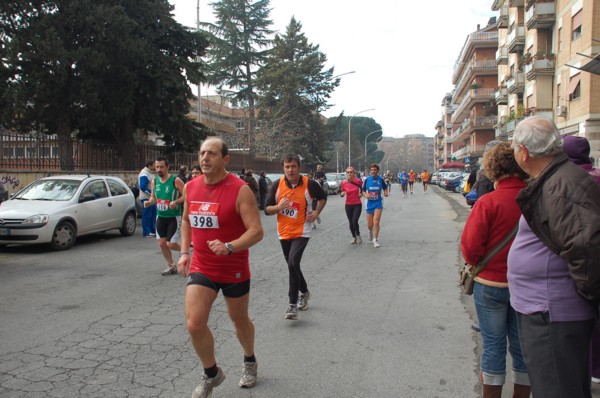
[[334, 184], [56, 210]]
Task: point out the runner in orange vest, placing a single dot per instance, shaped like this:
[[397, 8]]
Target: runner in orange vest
[[412, 176]]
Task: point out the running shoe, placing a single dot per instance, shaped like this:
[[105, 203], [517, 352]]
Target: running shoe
[[303, 300], [204, 389], [353, 241], [370, 236], [292, 312], [170, 270], [358, 239], [250, 374], [375, 243]]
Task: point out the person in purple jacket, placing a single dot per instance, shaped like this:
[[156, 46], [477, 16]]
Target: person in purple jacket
[[554, 263], [578, 151]]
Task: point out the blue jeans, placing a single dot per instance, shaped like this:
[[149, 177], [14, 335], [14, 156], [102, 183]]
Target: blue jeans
[[498, 323], [148, 219]]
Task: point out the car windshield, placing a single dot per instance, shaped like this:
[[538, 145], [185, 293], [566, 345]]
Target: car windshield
[[49, 190], [331, 177]]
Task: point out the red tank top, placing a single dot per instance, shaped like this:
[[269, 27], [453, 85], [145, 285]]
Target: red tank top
[[212, 215]]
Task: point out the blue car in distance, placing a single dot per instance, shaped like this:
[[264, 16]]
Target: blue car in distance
[[452, 182]]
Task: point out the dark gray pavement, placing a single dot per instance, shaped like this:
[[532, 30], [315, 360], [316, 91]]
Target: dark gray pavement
[[100, 321]]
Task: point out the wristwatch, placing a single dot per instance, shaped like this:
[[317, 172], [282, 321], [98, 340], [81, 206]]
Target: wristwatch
[[229, 247]]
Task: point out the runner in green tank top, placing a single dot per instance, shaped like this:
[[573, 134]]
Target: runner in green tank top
[[167, 194]]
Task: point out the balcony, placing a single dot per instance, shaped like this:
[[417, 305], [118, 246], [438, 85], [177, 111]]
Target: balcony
[[501, 96], [502, 18], [539, 67], [516, 84], [474, 41], [469, 150], [470, 125], [472, 97], [502, 56], [516, 38], [540, 15], [501, 133]]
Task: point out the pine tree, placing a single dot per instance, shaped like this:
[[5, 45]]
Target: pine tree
[[296, 87], [240, 41]]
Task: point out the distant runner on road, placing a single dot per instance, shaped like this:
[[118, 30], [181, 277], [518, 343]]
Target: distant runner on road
[[372, 189]]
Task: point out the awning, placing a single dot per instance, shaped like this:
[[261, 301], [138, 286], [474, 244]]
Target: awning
[[453, 165], [573, 83]]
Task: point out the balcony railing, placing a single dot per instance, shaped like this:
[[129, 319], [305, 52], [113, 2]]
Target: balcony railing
[[473, 96], [539, 67], [502, 18], [469, 150], [477, 123], [501, 96], [502, 56], [540, 15], [516, 38], [474, 40], [516, 84]]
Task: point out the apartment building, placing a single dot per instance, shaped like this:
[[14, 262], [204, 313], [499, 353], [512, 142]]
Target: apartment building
[[470, 111], [547, 58], [542, 48]]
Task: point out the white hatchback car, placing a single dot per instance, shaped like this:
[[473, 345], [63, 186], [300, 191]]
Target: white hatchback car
[[56, 210]]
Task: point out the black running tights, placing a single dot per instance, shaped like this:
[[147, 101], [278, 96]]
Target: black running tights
[[292, 251], [353, 214]]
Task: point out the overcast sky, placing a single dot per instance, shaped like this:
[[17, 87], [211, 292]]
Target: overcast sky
[[403, 52]]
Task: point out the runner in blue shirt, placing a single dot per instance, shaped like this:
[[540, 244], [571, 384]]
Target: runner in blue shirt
[[373, 187], [403, 178]]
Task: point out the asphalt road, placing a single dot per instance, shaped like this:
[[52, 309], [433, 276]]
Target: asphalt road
[[100, 321]]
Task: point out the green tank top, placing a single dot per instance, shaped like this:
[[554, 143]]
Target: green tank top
[[166, 193]]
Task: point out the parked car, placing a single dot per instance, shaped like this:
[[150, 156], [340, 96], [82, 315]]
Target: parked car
[[334, 184], [452, 182], [434, 178], [56, 210]]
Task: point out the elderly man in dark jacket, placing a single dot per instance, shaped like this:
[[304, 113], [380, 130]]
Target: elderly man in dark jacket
[[554, 263]]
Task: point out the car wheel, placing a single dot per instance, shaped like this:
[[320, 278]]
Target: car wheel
[[64, 236], [129, 224], [457, 189]]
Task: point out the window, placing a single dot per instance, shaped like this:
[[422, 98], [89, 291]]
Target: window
[[116, 188], [574, 91], [577, 22], [96, 188], [559, 39]]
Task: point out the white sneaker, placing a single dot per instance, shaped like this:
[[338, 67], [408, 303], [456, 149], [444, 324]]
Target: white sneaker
[[353, 241], [375, 243], [358, 239]]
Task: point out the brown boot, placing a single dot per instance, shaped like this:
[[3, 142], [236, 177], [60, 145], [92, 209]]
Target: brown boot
[[521, 391], [490, 391]]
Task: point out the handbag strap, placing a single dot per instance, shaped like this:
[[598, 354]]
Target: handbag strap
[[481, 265]]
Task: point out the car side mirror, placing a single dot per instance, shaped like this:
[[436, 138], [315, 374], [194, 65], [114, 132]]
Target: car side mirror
[[87, 197]]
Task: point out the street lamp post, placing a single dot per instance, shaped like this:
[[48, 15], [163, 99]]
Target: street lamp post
[[342, 74], [372, 132], [199, 97], [350, 130]]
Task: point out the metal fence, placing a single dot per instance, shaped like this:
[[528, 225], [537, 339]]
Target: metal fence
[[42, 152]]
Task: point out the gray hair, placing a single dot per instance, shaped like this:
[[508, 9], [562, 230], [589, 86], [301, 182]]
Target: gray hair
[[539, 135]]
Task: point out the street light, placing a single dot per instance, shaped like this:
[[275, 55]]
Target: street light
[[342, 74], [350, 129], [372, 132], [199, 97]]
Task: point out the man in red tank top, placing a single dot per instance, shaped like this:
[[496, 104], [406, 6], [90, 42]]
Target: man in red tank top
[[221, 218]]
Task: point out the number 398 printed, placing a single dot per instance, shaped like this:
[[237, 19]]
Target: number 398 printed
[[204, 221]]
